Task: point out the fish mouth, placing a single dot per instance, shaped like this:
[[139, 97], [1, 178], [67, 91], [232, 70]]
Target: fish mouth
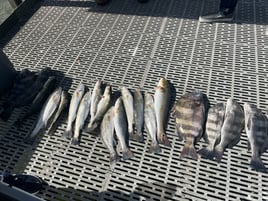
[[162, 82]]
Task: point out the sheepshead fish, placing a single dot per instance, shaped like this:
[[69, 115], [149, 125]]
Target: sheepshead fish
[[121, 130], [138, 115], [75, 101], [102, 107], [39, 100], [95, 99], [214, 123], [161, 105], [129, 108], [256, 129], [150, 122], [81, 116], [62, 106], [189, 114], [231, 128], [107, 135], [48, 110]]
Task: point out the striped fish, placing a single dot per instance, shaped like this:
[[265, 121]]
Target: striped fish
[[231, 128], [189, 114], [256, 128], [213, 129]]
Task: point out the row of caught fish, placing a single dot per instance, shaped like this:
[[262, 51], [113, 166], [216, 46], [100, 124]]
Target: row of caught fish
[[224, 124], [129, 112], [221, 126]]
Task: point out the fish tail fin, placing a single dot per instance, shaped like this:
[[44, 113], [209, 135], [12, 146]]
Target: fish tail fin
[[257, 164], [29, 139], [154, 148], [75, 141], [114, 158], [218, 154], [207, 153], [162, 139], [137, 136], [68, 134], [189, 151], [91, 127], [6, 113], [127, 154]]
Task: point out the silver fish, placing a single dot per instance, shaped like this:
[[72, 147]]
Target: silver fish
[[81, 116], [39, 100], [214, 123], [231, 128], [120, 125], [138, 115], [62, 106], [107, 134], [189, 114], [161, 104], [47, 111], [256, 129], [150, 122], [96, 97], [102, 107], [76, 98], [129, 108]]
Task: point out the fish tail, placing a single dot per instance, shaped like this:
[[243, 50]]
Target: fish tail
[[68, 134], [127, 154], [6, 113], [91, 127], [207, 153], [75, 141], [189, 152], [162, 139], [137, 136], [218, 155], [257, 164], [29, 139], [114, 158], [154, 148]]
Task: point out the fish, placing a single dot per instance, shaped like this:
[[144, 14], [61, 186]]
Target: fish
[[256, 129], [82, 114], [150, 122], [231, 129], [39, 100], [121, 129], [31, 92], [74, 104], [138, 115], [62, 106], [214, 123], [102, 107], [161, 105], [95, 99], [129, 108], [189, 113], [107, 135], [47, 111], [23, 81]]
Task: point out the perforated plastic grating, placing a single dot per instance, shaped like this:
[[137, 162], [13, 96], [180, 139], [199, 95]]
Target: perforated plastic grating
[[132, 44]]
